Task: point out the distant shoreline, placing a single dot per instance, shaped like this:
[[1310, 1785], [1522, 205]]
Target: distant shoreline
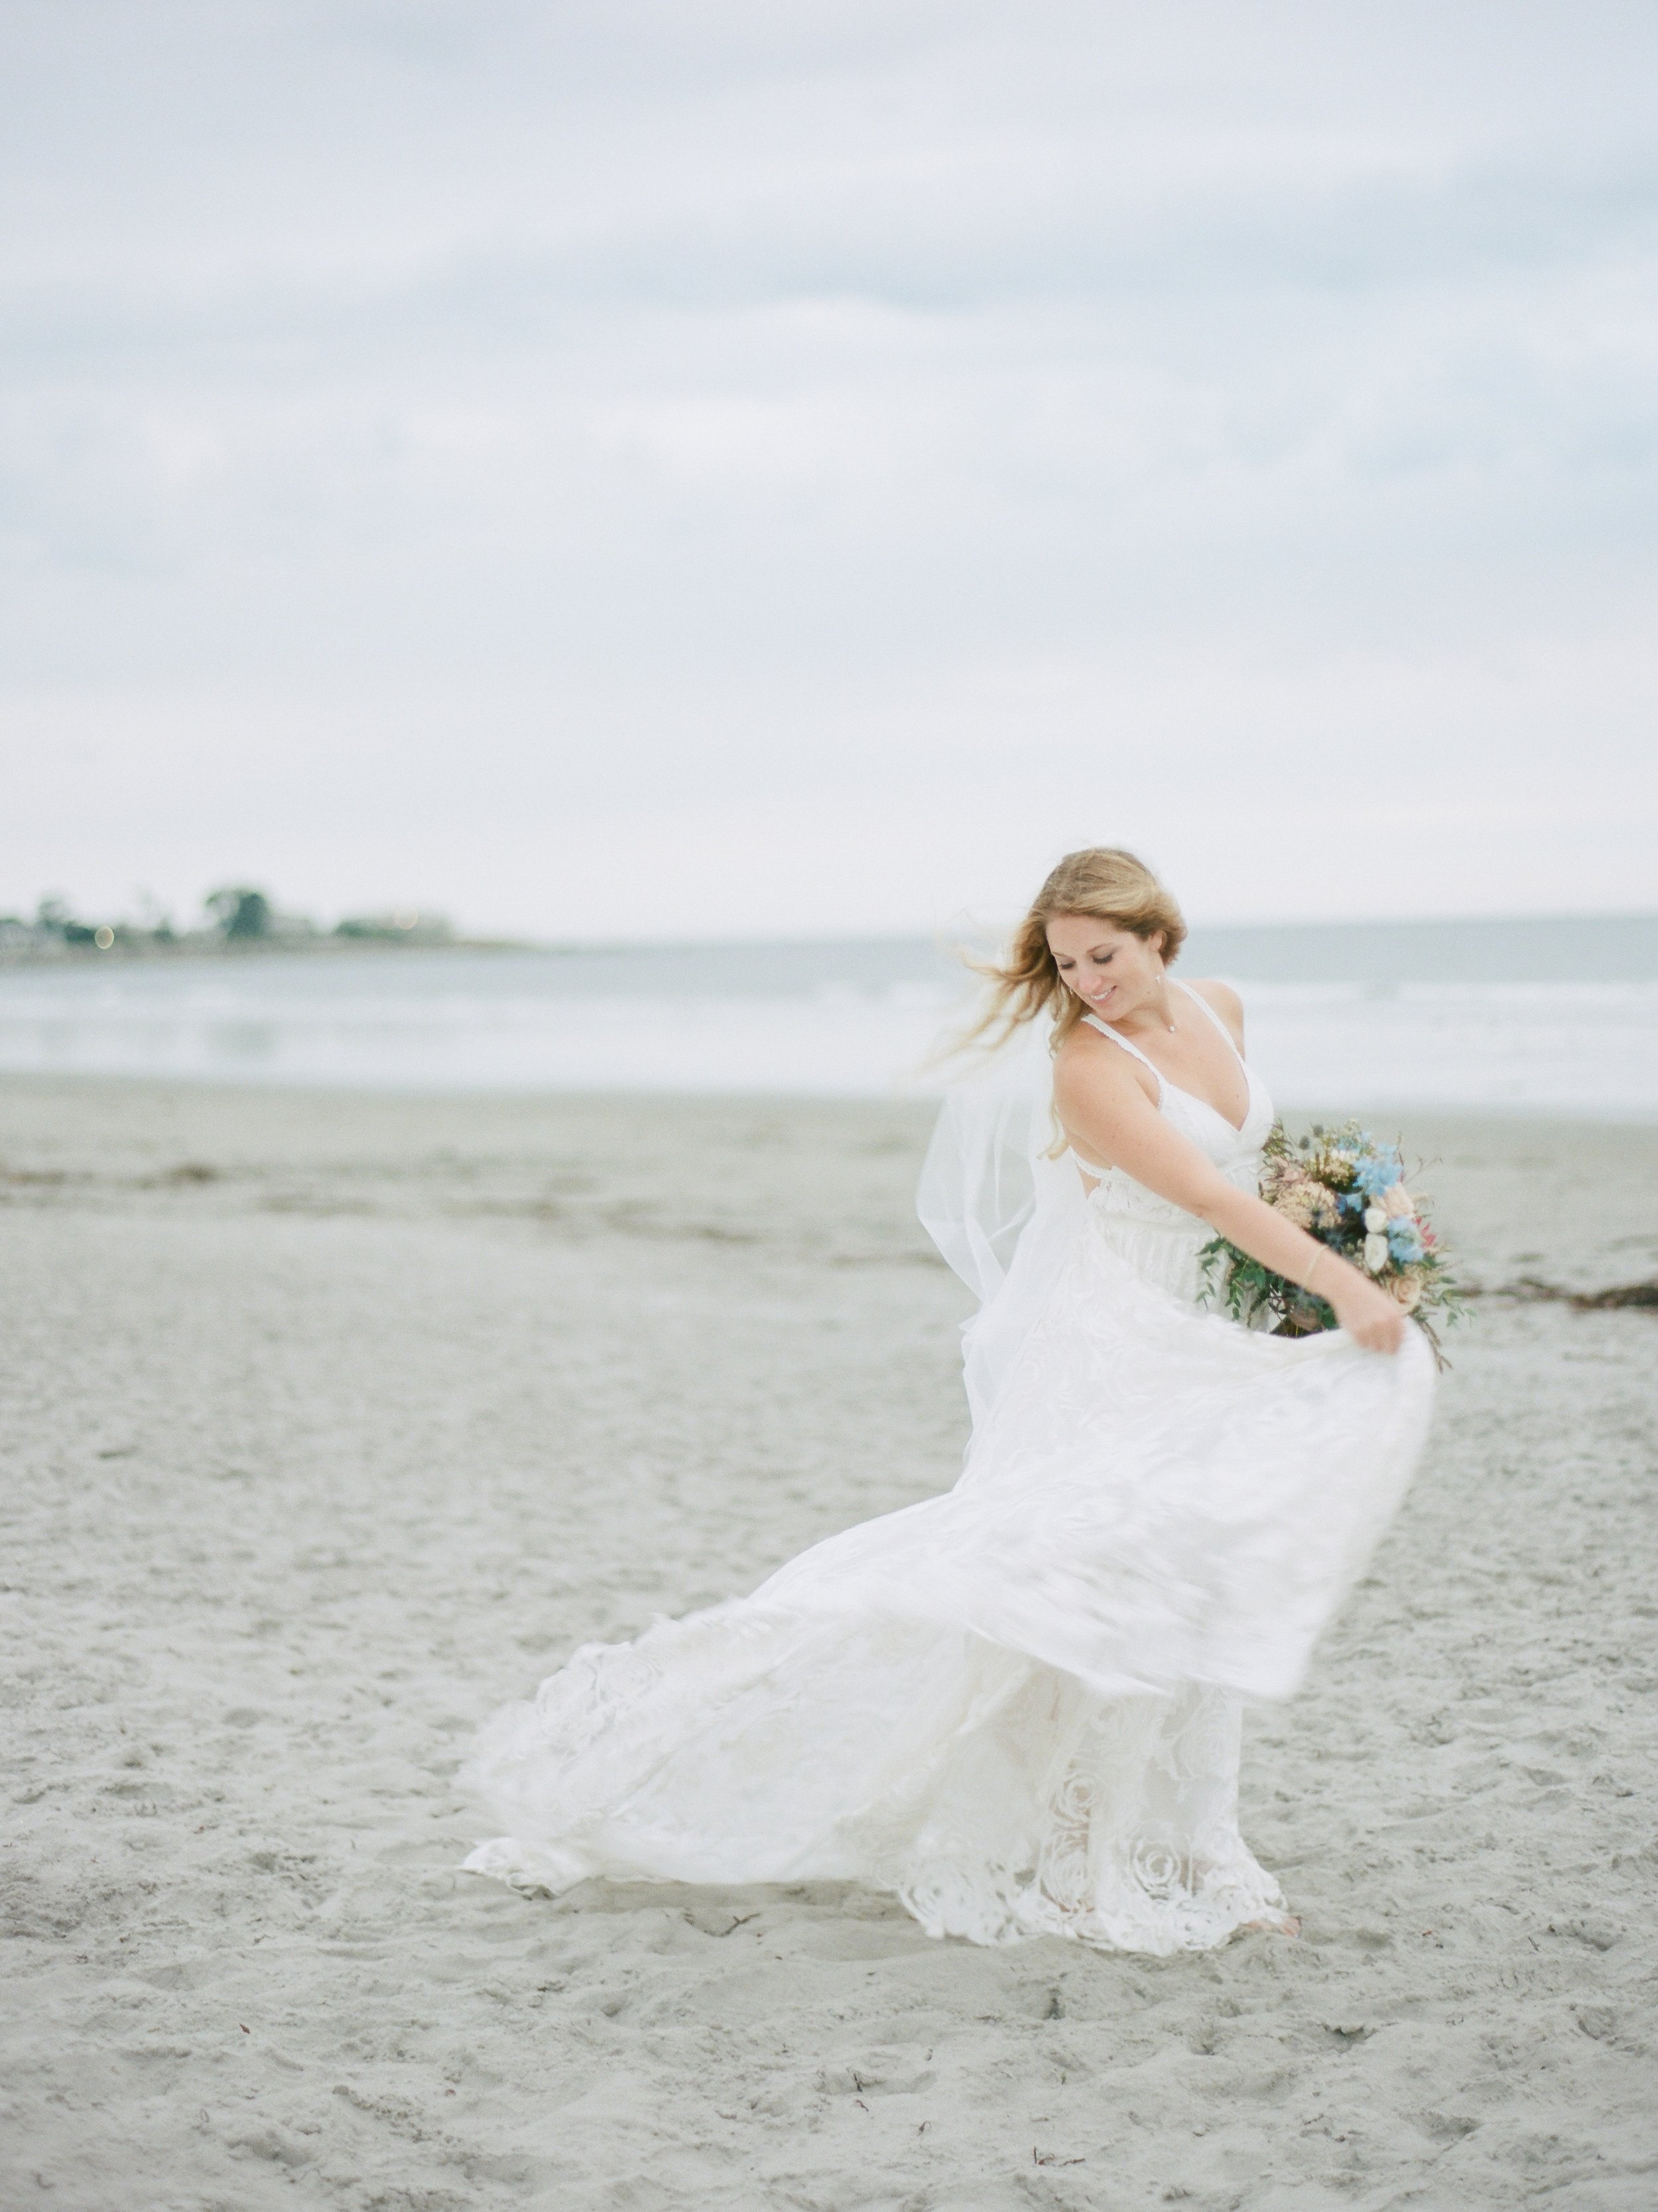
[[121, 952]]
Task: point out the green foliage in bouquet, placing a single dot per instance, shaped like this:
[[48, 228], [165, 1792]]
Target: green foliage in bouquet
[[1347, 1189]]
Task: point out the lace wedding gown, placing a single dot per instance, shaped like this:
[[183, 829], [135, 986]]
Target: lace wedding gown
[[1016, 1706]]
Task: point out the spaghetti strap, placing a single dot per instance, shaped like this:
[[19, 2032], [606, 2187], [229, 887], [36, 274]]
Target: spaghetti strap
[[1198, 999], [1105, 1030]]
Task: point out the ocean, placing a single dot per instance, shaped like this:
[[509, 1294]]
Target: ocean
[[1557, 1016]]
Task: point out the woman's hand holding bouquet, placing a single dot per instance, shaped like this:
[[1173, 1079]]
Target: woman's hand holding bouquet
[[1347, 1190]]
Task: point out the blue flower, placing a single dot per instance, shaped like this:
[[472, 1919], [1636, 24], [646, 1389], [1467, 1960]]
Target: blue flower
[[1379, 1172], [1405, 1242]]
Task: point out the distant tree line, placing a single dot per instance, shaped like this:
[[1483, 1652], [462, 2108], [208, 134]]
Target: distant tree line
[[236, 916]]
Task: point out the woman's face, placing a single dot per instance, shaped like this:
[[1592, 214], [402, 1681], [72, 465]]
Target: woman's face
[[1111, 970]]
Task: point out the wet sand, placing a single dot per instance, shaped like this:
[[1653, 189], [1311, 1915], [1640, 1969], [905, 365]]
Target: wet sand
[[332, 1422]]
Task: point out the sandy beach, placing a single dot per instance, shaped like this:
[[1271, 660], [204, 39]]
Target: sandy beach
[[330, 1422]]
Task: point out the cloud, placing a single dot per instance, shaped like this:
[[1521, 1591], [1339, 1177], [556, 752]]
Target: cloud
[[870, 429]]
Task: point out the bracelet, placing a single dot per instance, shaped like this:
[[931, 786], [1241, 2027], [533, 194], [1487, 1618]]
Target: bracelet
[[1318, 1261]]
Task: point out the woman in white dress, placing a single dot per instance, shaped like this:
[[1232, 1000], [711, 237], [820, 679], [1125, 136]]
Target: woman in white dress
[[1017, 1706]]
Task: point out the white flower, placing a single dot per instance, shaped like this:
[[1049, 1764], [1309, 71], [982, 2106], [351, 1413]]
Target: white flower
[[1375, 1252], [1375, 1220]]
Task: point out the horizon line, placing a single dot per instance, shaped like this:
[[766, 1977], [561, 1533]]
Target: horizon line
[[938, 935]]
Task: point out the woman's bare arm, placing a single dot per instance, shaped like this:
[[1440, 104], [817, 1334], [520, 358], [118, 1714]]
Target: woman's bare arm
[[1108, 1115]]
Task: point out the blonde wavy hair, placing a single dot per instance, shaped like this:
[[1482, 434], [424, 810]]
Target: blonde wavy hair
[[1103, 881]]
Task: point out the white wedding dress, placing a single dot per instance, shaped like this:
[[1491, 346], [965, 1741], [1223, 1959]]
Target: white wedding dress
[[1016, 1706]]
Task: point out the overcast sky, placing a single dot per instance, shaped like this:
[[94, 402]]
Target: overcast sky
[[609, 468]]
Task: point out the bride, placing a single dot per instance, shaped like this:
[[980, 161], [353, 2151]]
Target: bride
[[1017, 1706]]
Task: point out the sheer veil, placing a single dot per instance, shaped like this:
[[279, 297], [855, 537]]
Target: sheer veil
[[1002, 1212]]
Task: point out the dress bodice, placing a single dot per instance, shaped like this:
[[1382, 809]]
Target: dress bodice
[[1118, 1201]]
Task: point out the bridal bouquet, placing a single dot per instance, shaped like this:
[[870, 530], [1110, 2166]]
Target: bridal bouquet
[[1347, 1189]]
